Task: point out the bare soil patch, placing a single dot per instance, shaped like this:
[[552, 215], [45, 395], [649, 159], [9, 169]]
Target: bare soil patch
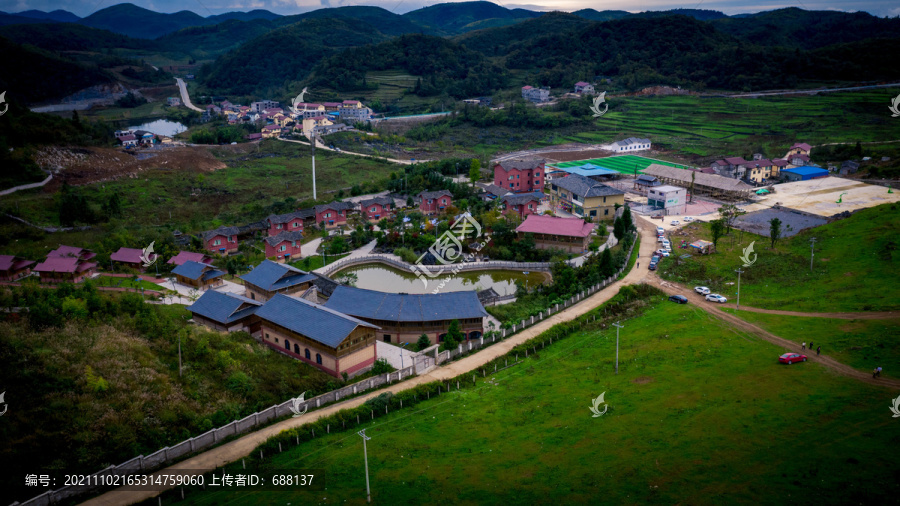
[[642, 380]]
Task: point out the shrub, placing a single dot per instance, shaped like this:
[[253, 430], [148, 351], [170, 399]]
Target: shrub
[[382, 366]]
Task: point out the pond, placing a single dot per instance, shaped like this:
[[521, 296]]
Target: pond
[[376, 276], [161, 127]]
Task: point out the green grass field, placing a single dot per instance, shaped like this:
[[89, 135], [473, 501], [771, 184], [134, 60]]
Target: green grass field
[[863, 344], [625, 164], [127, 283], [699, 414], [854, 267]]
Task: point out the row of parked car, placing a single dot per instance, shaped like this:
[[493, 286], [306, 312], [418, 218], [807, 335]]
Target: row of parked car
[[663, 252], [702, 290]]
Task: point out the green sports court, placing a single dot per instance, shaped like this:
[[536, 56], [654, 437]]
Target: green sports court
[[624, 164]]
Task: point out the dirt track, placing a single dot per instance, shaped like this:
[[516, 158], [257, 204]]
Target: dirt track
[[242, 447], [873, 315]]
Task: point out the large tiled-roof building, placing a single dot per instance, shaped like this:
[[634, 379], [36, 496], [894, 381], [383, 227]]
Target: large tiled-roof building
[[571, 235], [585, 198]]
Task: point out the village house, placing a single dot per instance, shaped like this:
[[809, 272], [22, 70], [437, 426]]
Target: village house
[[13, 267], [334, 213], [262, 106], [493, 192], [629, 145], [585, 198], [184, 256], [128, 140], [536, 95], [332, 106], [526, 175], [644, 182], [284, 246], [226, 311], [173, 101], [431, 203], [61, 269], [377, 208], [308, 110], [584, 88], [522, 204], [222, 240], [758, 170], [198, 275], [270, 278], [293, 222], [849, 167], [800, 148], [734, 167], [328, 340], [271, 131], [129, 257], [353, 111], [716, 186], [571, 235], [800, 160], [403, 318]]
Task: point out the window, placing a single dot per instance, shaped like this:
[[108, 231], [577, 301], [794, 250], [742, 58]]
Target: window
[[267, 335], [217, 242], [231, 239], [594, 212], [276, 340], [293, 244], [328, 215], [306, 353], [278, 226], [387, 338], [282, 247], [373, 209], [287, 345], [606, 212], [318, 359], [296, 224], [443, 201], [253, 296], [296, 349]]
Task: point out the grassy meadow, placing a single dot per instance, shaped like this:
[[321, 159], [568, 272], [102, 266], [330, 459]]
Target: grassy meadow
[[854, 267], [698, 414]]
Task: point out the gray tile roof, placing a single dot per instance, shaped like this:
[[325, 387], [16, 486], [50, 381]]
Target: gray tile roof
[[496, 191], [293, 235], [284, 218], [586, 187], [525, 164], [632, 140], [384, 201], [522, 198], [314, 321], [335, 206], [405, 307], [223, 230], [196, 270], [223, 307], [435, 194], [325, 284], [271, 276]]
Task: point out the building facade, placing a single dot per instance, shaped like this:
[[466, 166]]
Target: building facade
[[585, 198], [377, 208], [431, 203], [571, 235], [285, 246], [671, 199], [223, 240], [525, 175]]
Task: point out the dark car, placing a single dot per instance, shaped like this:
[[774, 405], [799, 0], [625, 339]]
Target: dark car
[[652, 266], [655, 259], [681, 299]]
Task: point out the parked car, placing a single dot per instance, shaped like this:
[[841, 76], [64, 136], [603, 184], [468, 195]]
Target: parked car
[[681, 299], [662, 253], [688, 219], [661, 239], [790, 358], [702, 290], [652, 266], [660, 231], [676, 222], [714, 297], [655, 259]]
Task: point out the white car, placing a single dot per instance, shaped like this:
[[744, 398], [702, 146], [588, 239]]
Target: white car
[[666, 244], [662, 252], [702, 290], [714, 297], [660, 231], [688, 219], [676, 222], [661, 239]]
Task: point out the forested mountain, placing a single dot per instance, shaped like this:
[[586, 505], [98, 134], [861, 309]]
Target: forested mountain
[[365, 17], [459, 17], [71, 37], [134, 21], [793, 27], [58, 15], [499, 41], [202, 41], [595, 15], [443, 65], [243, 16]]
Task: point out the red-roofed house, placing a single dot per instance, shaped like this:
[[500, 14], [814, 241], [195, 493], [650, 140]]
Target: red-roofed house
[[128, 140], [352, 103], [331, 106], [583, 87], [184, 256], [130, 257], [13, 268], [69, 269], [270, 131], [571, 235], [800, 148], [72, 251]]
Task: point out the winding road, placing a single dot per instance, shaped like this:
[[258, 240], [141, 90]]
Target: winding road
[[185, 98], [245, 445]]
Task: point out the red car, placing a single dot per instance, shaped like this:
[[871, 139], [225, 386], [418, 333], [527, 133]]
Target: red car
[[790, 358]]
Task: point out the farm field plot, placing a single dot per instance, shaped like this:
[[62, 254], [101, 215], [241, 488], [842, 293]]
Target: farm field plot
[[690, 418], [625, 164]]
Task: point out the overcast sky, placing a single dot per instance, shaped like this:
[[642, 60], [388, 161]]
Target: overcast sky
[[207, 7]]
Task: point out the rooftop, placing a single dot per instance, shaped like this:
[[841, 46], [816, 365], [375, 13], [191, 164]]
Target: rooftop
[[523, 164], [314, 321], [196, 270], [405, 307], [223, 230], [384, 201], [184, 256], [223, 307], [293, 235], [128, 256], [585, 187], [10, 262], [271, 276], [807, 170], [552, 225], [434, 194]]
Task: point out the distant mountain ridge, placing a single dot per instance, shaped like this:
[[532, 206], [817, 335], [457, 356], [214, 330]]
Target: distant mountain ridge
[[57, 15]]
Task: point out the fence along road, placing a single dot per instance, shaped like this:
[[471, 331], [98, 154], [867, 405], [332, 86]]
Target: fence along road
[[235, 450]]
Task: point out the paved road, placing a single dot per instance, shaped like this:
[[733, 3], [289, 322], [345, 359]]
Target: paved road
[[185, 98]]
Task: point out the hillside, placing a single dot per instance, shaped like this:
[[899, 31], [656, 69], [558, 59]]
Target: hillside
[[71, 37], [595, 15], [243, 16], [459, 17], [365, 17], [129, 19], [204, 41], [499, 41], [793, 27], [57, 15]]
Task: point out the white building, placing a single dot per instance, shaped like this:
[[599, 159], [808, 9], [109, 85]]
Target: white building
[[629, 145], [584, 88], [537, 95], [263, 105], [672, 199]]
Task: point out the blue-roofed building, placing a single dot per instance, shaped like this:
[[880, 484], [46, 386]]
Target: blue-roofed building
[[320, 336], [269, 278], [404, 317], [198, 275], [803, 173], [225, 311]]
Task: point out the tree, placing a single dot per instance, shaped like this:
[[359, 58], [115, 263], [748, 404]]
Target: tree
[[619, 228], [409, 201], [453, 337], [423, 342], [627, 221], [730, 213], [774, 231], [474, 171], [693, 177], [717, 227]]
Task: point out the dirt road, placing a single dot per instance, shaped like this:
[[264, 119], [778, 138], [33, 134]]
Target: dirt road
[[871, 315], [185, 98]]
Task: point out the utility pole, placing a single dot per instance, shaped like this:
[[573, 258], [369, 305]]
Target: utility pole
[[617, 326], [739, 289], [362, 433], [312, 142], [812, 252], [179, 354]]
